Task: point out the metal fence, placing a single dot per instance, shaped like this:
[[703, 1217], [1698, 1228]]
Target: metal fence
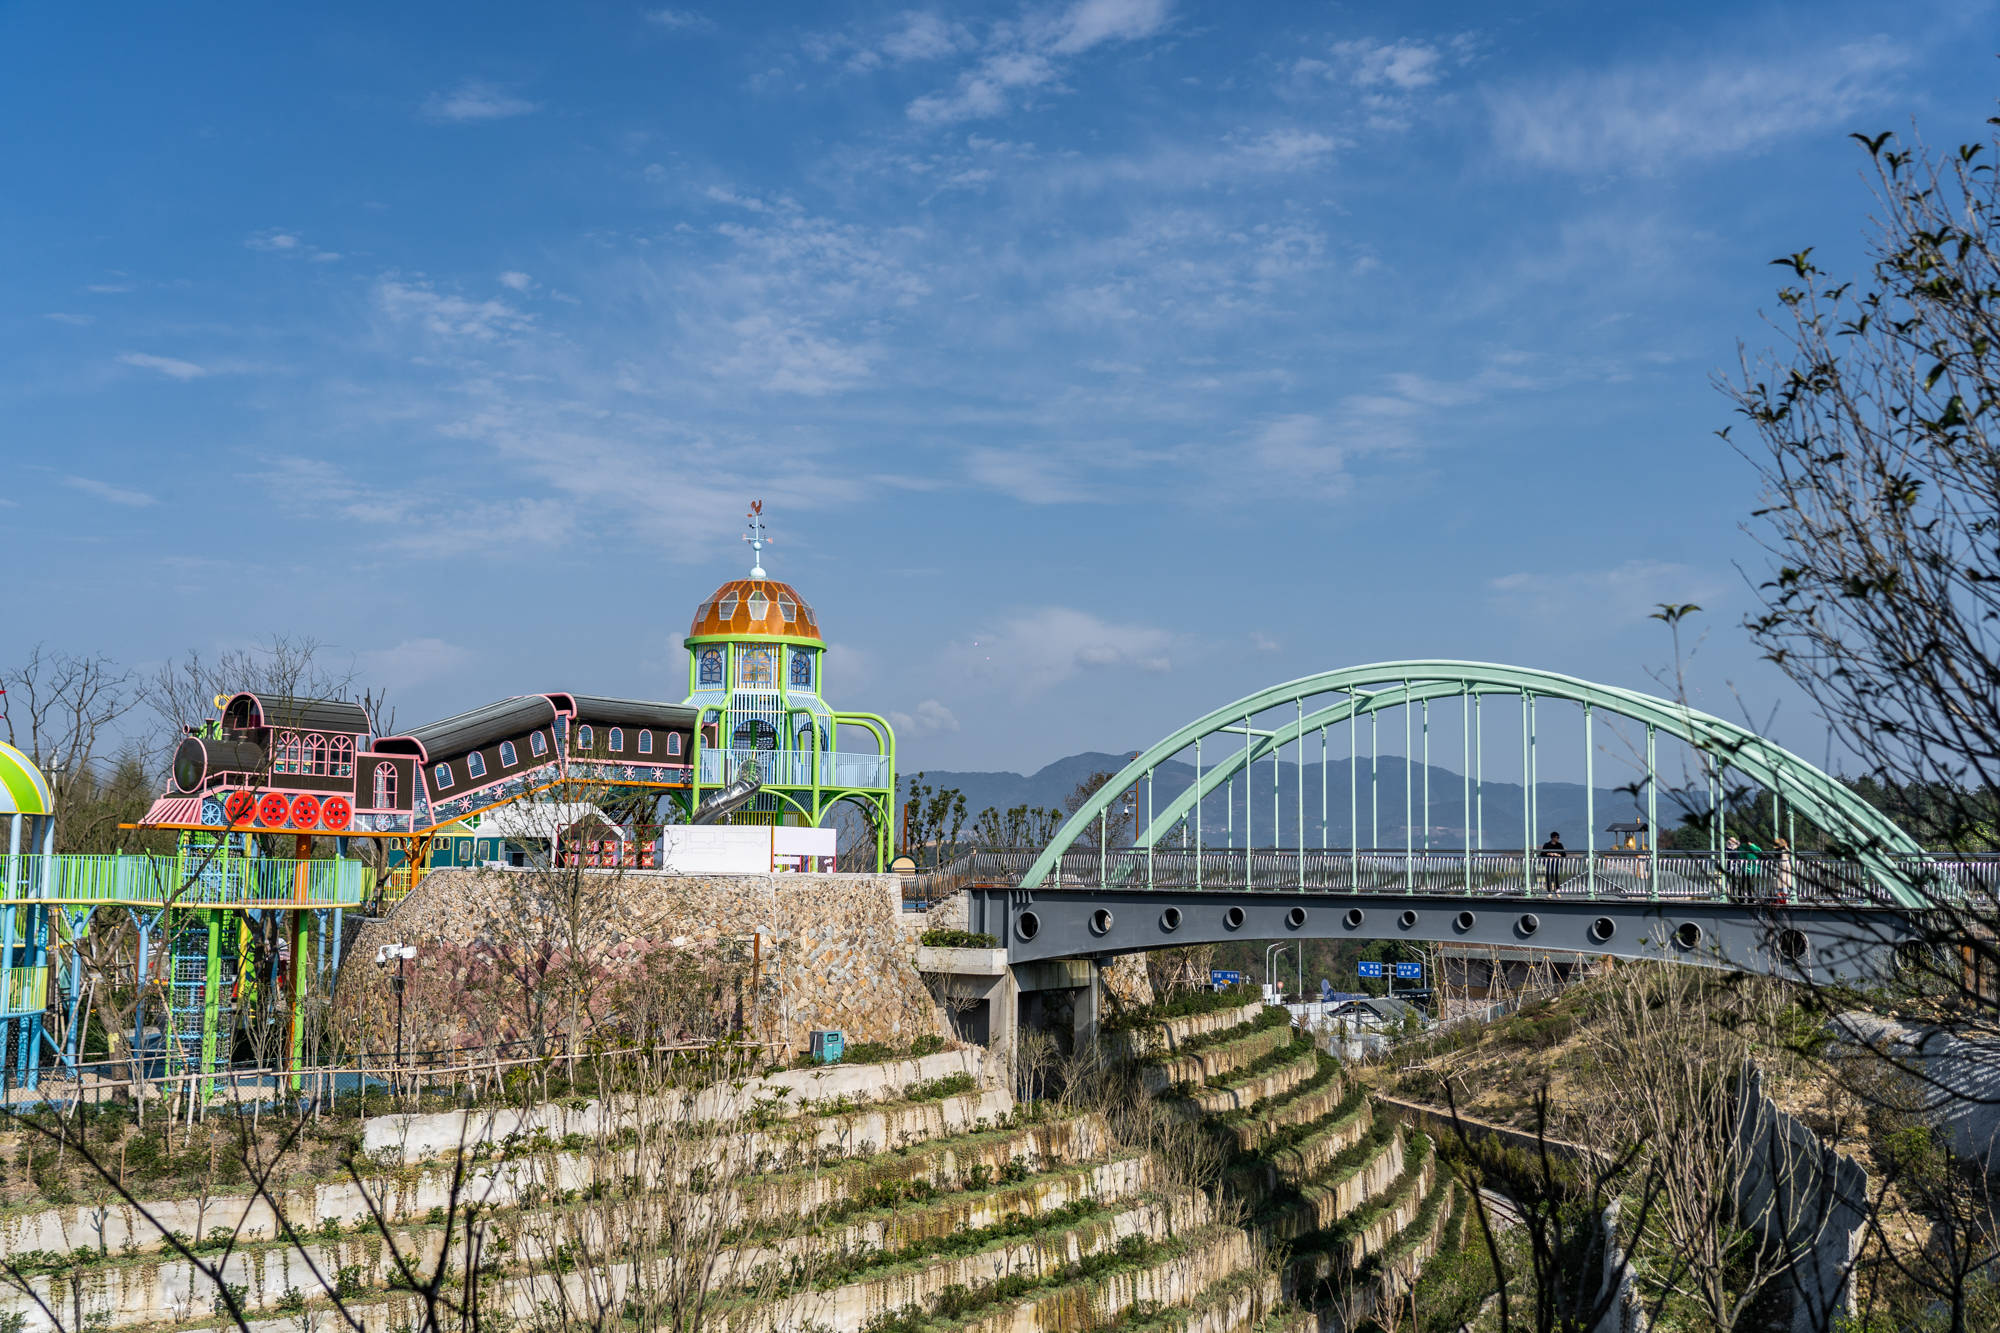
[[1799, 878], [795, 768]]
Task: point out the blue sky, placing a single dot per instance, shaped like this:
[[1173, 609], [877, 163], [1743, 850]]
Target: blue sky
[[1096, 361]]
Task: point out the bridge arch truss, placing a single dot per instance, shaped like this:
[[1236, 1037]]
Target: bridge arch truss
[[1174, 844]]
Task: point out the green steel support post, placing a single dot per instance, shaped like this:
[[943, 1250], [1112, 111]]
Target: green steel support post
[[1353, 794], [1534, 770], [1527, 815], [1465, 773], [211, 1002], [1409, 814], [1197, 813], [1374, 782], [1249, 800], [1427, 778], [1589, 808], [1149, 824], [297, 979], [1302, 792], [1652, 817], [1479, 768], [1323, 846]]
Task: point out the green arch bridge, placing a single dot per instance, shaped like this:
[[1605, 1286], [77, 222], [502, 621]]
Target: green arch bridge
[[1177, 878]]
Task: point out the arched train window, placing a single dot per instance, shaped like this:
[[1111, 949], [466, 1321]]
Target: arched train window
[[286, 759], [673, 742], [509, 756], [585, 738], [316, 755], [343, 756], [617, 740], [475, 764], [385, 786], [645, 742], [538, 744], [442, 776]]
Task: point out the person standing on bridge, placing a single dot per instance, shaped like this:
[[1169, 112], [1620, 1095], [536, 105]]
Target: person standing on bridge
[[1553, 852]]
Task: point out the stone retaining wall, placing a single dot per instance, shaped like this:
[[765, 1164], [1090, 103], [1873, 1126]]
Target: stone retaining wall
[[511, 955]]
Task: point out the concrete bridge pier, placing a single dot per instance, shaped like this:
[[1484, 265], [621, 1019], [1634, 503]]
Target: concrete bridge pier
[[988, 998]]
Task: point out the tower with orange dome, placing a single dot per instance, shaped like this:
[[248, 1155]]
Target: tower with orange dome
[[756, 676]]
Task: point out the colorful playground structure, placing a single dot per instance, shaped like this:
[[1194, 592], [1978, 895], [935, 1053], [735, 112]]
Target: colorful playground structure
[[226, 924]]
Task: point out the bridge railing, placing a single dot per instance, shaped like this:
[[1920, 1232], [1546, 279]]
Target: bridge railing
[[1801, 878]]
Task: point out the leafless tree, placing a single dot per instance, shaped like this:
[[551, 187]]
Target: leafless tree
[[183, 691], [58, 708]]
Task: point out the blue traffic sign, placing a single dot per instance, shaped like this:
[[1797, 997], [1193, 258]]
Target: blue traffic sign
[[1219, 977], [1410, 971], [1371, 969]]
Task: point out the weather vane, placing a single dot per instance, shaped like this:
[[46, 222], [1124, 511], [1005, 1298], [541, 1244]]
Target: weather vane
[[756, 538]]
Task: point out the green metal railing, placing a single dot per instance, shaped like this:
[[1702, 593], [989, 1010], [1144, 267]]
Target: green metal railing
[[190, 880]]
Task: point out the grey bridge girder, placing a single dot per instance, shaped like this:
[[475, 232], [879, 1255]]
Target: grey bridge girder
[[1826, 943]]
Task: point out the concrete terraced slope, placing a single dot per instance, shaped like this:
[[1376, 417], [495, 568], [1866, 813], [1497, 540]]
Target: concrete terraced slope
[[1349, 1200], [905, 1197]]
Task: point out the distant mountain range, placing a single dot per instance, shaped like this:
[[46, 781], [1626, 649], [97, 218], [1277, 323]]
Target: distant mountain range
[[1561, 805]]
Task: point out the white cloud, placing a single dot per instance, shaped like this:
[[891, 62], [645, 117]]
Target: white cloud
[[1015, 60], [1624, 594], [417, 301], [519, 282], [411, 663], [930, 719], [117, 495], [63, 317], [108, 288], [1404, 65], [171, 367], [421, 520], [681, 20], [1031, 652], [1090, 23], [922, 36], [1644, 118], [1024, 475], [277, 242], [474, 100]]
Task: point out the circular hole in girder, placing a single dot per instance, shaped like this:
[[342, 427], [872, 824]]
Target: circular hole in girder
[[1407, 920], [1355, 916], [1529, 923], [1027, 925], [1233, 919], [1687, 935], [1296, 917], [1792, 945], [1465, 921], [1100, 920], [1170, 919], [1603, 929]]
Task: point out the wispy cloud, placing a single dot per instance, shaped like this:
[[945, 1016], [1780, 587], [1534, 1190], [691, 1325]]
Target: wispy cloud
[[1644, 118], [930, 718], [1034, 650], [476, 100], [171, 367], [680, 20], [416, 301], [516, 281], [1388, 81], [412, 662], [64, 317], [275, 241], [1016, 59], [105, 491], [1623, 594]]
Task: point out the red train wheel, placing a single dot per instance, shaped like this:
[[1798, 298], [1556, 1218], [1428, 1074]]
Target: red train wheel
[[336, 811], [305, 811], [238, 806], [271, 811]]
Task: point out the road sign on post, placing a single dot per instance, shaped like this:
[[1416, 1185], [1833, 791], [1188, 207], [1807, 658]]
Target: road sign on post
[[1409, 971], [1220, 978], [1368, 969]]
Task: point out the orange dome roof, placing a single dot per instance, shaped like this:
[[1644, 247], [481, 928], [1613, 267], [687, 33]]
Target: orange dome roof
[[750, 607]]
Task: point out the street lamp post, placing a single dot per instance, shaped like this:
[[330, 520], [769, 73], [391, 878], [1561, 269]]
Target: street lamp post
[[400, 955]]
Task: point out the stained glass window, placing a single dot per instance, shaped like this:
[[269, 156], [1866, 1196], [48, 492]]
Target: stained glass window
[[757, 668], [710, 671], [802, 670]]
